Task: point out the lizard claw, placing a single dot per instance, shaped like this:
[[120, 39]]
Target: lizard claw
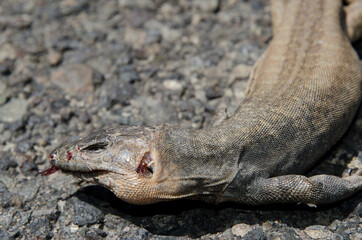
[[312, 205]]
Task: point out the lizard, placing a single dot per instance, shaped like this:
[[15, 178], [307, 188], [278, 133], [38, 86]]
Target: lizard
[[302, 95]]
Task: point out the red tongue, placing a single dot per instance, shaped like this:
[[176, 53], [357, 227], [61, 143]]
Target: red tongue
[[48, 171]]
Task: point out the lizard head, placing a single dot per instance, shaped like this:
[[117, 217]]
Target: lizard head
[[122, 159]]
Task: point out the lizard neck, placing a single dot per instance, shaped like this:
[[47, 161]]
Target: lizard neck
[[200, 161]]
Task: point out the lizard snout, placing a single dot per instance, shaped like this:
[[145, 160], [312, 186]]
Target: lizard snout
[[52, 160]]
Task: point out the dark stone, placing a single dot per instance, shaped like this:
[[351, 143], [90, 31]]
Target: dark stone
[[23, 146], [127, 74], [86, 214], [257, 5], [113, 92], [284, 233], [16, 125], [359, 210], [124, 59], [64, 43], [6, 197], [74, 8], [256, 233], [29, 168], [186, 106], [213, 92], [41, 227], [153, 36], [7, 161], [47, 12], [66, 115], [80, 55], [96, 36], [4, 235], [19, 22], [95, 234], [84, 117], [98, 79], [34, 120], [54, 11], [57, 104], [28, 190], [4, 70], [141, 234]]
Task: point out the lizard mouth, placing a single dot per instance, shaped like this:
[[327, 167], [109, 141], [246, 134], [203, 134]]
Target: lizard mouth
[[83, 174]]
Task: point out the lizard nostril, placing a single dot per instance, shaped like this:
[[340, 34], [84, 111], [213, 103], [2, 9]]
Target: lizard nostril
[[52, 158]]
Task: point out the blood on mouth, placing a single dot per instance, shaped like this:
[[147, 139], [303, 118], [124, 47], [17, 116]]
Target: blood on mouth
[[69, 156]]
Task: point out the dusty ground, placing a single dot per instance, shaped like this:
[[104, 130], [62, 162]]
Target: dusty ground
[[69, 67]]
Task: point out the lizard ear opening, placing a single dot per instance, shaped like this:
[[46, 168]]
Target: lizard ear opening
[[146, 166]]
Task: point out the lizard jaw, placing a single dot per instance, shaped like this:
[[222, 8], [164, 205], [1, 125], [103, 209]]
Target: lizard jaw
[[81, 174]]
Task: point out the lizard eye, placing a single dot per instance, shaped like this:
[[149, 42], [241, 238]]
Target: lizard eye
[[97, 147]]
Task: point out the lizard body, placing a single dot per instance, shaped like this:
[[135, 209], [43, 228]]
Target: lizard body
[[301, 97]]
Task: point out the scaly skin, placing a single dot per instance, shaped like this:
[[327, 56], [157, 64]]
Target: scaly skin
[[302, 95]]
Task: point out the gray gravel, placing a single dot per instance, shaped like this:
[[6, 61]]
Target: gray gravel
[[69, 67]]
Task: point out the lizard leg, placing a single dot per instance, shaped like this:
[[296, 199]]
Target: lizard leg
[[354, 19], [319, 189]]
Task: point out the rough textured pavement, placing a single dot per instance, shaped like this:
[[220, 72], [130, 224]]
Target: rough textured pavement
[[69, 67]]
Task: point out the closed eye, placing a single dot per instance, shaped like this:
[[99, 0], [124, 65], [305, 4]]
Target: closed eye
[[97, 147]]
